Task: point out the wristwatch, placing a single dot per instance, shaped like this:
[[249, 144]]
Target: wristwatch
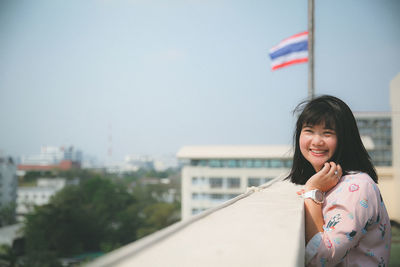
[[316, 195]]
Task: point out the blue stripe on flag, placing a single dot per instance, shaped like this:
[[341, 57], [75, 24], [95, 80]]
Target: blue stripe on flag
[[295, 47]]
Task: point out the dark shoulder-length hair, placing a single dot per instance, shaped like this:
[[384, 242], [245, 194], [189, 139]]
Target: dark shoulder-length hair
[[350, 152]]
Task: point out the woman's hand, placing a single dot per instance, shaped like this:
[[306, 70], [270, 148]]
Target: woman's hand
[[325, 179]]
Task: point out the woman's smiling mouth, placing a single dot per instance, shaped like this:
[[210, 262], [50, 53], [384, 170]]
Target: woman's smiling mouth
[[318, 152]]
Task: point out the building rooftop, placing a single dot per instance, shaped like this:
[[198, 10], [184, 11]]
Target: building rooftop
[[235, 152]]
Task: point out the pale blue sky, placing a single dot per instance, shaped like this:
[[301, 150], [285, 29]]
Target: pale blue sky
[[166, 74]]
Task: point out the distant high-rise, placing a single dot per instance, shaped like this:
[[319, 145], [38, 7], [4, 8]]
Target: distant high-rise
[[377, 126], [8, 181], [52, 158]]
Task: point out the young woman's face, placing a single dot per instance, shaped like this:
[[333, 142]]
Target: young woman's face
[[317, 144]]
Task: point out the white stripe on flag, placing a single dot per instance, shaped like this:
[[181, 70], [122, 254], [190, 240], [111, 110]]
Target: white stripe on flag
[[289, 57], [288, 42]]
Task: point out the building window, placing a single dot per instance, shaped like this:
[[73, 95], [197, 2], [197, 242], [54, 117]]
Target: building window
[[195, 211], [233, 182], [258, 163], [215, 182], [195, 181], [223, 163], [217, 197], [232, 163], [288, 163], [267, 179], [203, 162], [214, 163], [230, 196], [249, 163], [276, 163], [243, 163], [253, 181]]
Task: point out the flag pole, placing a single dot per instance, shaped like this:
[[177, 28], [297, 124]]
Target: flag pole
[[310, 49]]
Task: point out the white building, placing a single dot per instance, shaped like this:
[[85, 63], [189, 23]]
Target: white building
[[214, 174], [8, 181], [133, 163], [28, 197]]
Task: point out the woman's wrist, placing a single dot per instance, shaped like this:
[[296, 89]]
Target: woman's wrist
[[310, 187]]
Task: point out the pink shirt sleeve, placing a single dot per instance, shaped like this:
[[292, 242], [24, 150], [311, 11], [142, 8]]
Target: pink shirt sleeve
[[350, 212]]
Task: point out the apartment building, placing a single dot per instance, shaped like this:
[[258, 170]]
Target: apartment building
[[214, 174]]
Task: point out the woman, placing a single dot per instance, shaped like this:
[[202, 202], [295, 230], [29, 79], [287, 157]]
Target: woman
[[346, 220]]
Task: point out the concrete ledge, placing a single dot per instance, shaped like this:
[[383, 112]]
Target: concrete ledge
[[263, 227]]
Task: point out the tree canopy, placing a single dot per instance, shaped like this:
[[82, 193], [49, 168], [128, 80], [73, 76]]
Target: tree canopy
[[98, 215]]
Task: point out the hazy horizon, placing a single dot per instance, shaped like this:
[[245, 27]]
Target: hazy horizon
[[157, 76]]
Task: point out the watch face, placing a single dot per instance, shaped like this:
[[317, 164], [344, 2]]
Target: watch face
[[319, 196]]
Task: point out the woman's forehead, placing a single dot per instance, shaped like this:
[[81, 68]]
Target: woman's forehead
[[321, 124]]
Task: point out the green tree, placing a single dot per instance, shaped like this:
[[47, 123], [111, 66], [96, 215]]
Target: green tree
[[99, 215], [84, 218], [7, 256], [156, 217], [7, 214]]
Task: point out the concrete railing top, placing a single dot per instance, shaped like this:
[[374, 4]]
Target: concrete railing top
[[263, 227]]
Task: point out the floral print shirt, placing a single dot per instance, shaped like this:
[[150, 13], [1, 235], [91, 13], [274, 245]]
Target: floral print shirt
[[357, 228]]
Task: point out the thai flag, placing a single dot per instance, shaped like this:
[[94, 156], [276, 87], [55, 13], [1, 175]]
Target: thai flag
[[290, 51]]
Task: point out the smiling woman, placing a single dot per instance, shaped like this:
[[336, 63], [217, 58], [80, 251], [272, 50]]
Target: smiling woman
[[346, 219]]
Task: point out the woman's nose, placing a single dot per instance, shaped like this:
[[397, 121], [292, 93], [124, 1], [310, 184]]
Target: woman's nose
[[317, 140]]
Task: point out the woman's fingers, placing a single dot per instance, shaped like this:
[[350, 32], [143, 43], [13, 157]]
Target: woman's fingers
[[325, 169], [333, 169], [333, 174]]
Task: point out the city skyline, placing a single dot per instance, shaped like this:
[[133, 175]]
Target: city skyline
[[148, 77]]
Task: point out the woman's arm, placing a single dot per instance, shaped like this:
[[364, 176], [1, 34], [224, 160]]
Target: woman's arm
[[314, 218], [323, 180]]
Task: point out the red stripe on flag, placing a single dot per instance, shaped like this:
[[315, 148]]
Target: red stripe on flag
[[294, 36], [295, 61]]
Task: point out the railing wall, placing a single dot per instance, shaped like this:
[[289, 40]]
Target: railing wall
[[263, 227]]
